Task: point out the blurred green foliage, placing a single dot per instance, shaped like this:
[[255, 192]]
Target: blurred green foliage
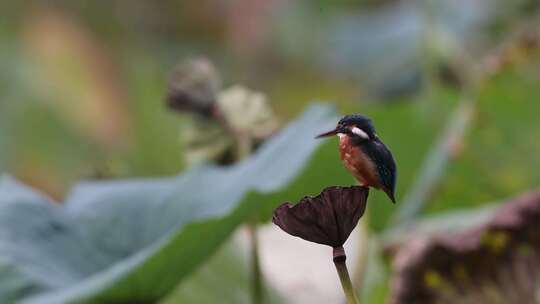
[[224, 278], [83, 87], [501, 148], [158, 230]]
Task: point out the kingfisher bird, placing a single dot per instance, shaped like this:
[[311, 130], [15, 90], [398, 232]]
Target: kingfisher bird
[[364, 154]]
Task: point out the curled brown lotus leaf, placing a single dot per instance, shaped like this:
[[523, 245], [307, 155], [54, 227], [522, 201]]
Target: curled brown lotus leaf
[[327, 218], [496, 262]]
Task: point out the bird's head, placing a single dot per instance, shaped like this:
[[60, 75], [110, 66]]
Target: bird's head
[[355, 126]]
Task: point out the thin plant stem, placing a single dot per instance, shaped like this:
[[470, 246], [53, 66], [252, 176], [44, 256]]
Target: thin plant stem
[[461, 121], [343, 273], [439, 158], [257, 291], [244, 148]]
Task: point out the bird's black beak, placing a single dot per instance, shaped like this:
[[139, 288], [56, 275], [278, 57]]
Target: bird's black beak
[[329, 133]]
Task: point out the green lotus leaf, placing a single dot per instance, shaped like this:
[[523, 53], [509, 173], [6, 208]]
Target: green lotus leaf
[[134, 240]]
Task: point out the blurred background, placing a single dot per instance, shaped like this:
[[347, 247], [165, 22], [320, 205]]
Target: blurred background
[[453, 88]]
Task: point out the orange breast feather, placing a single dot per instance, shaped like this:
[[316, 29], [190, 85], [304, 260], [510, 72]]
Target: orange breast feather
[[361, 167]]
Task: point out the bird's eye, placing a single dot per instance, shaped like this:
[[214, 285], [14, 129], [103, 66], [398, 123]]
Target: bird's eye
[[359, 132]]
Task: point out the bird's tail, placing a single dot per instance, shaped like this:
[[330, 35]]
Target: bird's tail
[[391, 195]]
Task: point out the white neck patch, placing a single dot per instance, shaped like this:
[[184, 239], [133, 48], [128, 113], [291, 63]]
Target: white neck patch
[[341, 135], [359, 132]]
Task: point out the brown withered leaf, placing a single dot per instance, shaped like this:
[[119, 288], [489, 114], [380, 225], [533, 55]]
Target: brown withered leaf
[[496, 262], [328, 218]]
